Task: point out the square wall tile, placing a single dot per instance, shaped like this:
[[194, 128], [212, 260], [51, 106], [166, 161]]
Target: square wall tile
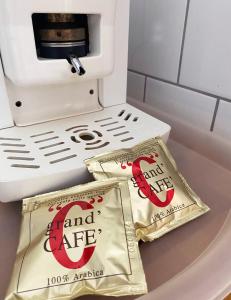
[[207, 51], [188, 106], [156, 29], [222, 125], [136, 85]]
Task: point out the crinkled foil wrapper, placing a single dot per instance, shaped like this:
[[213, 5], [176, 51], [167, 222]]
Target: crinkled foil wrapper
[[78, 241], [161, 198]]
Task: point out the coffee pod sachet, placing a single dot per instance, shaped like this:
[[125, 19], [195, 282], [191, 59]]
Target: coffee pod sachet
[[161, 198], [78, 241]]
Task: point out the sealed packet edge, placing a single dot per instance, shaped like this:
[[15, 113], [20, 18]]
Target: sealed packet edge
[[202, 208], [29, 204], [133, 286], [193, 196]]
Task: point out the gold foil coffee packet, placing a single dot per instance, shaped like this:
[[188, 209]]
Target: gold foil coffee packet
[[161, 198], [78, 241]]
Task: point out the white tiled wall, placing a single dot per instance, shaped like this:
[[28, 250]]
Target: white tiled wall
[[180, 60], [207, 51], [186, 105], [156, 30], [223, 120], [136, 86]]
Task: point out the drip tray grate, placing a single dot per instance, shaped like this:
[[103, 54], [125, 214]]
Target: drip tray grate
[[50, 155]]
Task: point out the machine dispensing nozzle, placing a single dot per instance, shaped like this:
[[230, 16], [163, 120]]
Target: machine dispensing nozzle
[[75, 62]]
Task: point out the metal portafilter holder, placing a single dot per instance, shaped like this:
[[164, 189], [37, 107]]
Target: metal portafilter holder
[[62, 36]]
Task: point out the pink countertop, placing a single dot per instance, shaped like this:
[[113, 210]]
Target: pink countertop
[[192, 262]]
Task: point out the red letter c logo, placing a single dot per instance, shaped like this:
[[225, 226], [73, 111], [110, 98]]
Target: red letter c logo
[[61, 255], [145, 187]]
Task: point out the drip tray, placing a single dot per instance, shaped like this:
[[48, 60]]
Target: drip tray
[[43, 157]]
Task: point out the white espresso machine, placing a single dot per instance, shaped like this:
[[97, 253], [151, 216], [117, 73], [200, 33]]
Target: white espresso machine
[[63, 74]]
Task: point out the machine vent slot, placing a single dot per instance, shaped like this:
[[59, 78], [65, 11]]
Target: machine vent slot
[[9, 139], [57, 152], [121, 113], [116, 128], [62, 159], [46, 140], [92, 139], [51, 146], [97, 147], [93, 143], [109, 124], [41, 134], [128, 139], [12, 145], [79, 130], [98, 133], [102, 120], [20, 158], [74, 139], [17, 151], [25, 166], [71, 128], [128, 116], [16, 155], [121, 133]]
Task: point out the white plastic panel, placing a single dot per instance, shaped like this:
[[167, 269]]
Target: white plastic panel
[[113, 88], [50, 156], [5, 113], [38, 104], [18, 46]]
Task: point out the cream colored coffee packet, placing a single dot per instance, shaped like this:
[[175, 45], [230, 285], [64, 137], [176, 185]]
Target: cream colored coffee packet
[[78, 241], [161, 198]]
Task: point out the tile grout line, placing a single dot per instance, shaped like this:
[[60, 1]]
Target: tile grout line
[[181, 86], [183, 40], [145, 88], [1, 64], [215, 115]]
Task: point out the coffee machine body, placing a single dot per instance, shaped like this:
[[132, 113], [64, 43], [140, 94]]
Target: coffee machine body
[[63, 82]]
